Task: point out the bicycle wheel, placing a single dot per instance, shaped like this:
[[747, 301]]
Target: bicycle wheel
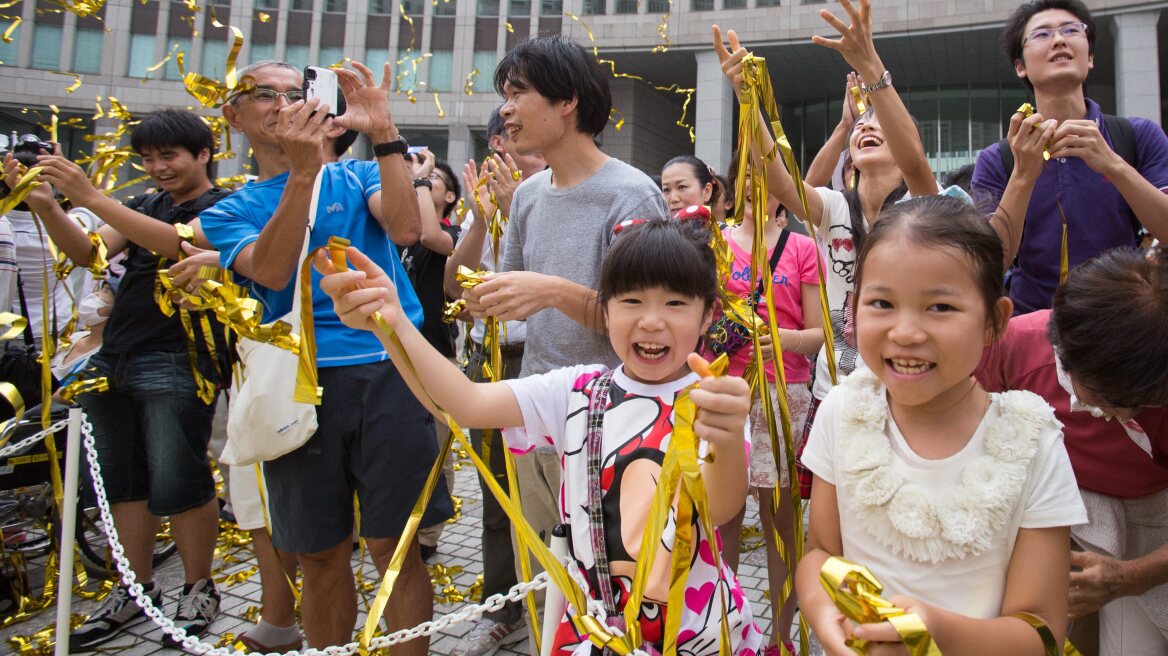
[[93, 544]]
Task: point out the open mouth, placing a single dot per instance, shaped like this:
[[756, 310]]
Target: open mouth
[[512, 130], [1062, 56], [163, 179], [650, 350], [870, 142], [909, 367]]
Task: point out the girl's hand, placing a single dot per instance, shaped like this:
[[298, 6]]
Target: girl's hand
[[833, 629], [850, 112], [1028, 139], [731, 59], [855, 42], [723, 403], [882, 637], [359, 292]]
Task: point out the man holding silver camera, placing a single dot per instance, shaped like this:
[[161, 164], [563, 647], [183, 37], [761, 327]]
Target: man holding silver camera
[[373, 438]]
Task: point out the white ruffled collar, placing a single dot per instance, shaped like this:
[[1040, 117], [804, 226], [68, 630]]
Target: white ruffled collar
[[922, 523]]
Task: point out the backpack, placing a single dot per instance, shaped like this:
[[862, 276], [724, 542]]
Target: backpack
[[1123, 142]]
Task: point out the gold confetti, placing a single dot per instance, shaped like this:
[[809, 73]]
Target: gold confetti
[[510, 27], [7, 36], [263, 16], [441, 112], [76, 84], [663, 30], [468, 88]]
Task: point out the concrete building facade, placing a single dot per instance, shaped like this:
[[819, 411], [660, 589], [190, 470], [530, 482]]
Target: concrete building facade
[[943, 54]]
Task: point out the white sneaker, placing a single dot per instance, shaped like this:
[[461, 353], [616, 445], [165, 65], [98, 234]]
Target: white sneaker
[[487, 636]]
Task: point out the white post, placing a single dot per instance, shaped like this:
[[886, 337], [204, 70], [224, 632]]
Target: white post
[[68, 528]]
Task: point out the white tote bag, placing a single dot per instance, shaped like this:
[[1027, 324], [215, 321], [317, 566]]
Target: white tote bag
[[263, 420]]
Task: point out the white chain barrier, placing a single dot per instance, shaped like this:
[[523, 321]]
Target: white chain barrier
[[32, 439], [193, 644]]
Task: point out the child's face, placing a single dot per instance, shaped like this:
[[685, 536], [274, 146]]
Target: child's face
[[921, 322], [653, 330]]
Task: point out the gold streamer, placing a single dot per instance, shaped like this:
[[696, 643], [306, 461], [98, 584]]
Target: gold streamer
[[468, 87], [438, 103], [7, 36], [23, 188], [263, 16], [70, 391], [856, 593], [11, 325]]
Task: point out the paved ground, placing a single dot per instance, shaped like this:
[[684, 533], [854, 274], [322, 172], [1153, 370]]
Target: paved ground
[[458, 558]]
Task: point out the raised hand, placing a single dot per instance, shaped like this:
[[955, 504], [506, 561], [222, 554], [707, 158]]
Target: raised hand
[[301, 128], [367, 103], [1028, 138], [855, 42], [503, 176], [731, 59], [67, 178], [723, 403]]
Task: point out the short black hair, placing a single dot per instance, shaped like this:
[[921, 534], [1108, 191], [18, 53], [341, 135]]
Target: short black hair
[[495, 123], [173, 128], [454, 186], [1013, 32], [560, 69], [659, 252], [1109, 327]]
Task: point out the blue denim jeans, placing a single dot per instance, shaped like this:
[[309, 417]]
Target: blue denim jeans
[[151, 431]]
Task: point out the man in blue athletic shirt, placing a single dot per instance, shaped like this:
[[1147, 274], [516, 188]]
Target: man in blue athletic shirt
[[375, 438]]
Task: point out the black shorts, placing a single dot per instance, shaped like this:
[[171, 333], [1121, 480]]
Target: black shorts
[[374, 439]]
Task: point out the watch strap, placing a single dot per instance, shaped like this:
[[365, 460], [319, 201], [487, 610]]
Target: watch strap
[[884, 81], [396, 147]]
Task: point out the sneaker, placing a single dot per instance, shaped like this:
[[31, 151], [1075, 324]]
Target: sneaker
[[428, 551], [487, 636], [118, 612], [197, 607]]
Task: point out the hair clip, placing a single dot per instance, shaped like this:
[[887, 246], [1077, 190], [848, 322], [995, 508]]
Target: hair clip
[[693, 213], [618, 228]]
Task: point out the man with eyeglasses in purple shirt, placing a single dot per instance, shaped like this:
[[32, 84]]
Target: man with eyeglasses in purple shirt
[[1106, 175]]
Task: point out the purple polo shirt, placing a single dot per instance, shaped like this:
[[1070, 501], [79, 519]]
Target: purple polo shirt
[[1098, 218]]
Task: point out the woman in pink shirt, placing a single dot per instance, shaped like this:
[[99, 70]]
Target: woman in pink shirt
[[793, 259]]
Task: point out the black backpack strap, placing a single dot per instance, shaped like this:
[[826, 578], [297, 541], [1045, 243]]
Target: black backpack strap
[[774, 260], [1007, 156], [28, 340], [1123, 138]]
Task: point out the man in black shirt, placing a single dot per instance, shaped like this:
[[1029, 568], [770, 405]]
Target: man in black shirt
[[151, 428]]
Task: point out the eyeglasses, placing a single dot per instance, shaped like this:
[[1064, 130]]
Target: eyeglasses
[[266, 95], [1070, 30], [434, 175]]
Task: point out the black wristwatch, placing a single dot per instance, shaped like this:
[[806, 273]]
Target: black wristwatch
[[424, 182], [396, 147]]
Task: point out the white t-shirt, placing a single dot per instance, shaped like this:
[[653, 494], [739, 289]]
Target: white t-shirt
[[638, 424], [941, 530], [837, 242], [35, 260]]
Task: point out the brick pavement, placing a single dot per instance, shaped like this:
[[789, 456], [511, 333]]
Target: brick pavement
[[458, 548]]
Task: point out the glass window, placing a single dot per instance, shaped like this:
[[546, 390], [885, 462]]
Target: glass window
[[263, 51], [413, 7], [594, 7], [701, 5], [10, 51], [333, 55], [214, 59], [87, 51], [297, 56], [141, 54], [406, 70], [379, 6], [46, 47], [445, 7], [626, 6], [301, 5], [170, 72], [487, 8], [375, 59], [551, 7], [658, 6], [336, 6], [484, 60], [441, 70], [734, 4], [519, 8], [268, 4]]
